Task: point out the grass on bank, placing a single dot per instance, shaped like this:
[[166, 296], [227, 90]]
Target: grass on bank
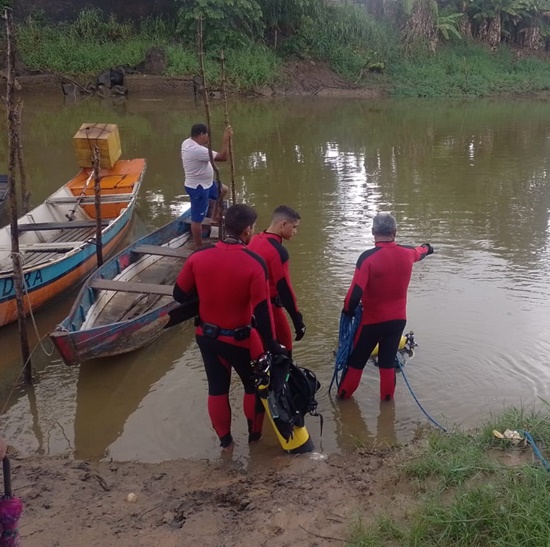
[[351, 42], [472, 490], [468, 69], [92, 44]]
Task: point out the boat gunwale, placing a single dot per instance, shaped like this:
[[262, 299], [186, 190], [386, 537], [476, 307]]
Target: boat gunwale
[[113, 223]]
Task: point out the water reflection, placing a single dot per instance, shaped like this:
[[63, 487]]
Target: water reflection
[[39, 418], [352, 430], [110, 390], [33, 407], [470, 177]]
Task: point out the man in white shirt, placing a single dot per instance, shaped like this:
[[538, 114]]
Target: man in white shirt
[[199, 174]]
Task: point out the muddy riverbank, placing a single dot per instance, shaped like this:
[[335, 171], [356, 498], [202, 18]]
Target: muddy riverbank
[[297, 78], [300, 501]]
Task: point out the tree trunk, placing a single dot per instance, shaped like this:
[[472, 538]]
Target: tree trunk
[[493, 31], [532, 38], [421, 25], [465, 28], [482, 31], [464, 25]]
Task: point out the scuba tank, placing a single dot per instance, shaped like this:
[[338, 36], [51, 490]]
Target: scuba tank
[[287, 393], [403, 344], [405, 351]]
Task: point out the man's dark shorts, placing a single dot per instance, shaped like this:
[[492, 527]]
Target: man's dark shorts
[[199, 200]]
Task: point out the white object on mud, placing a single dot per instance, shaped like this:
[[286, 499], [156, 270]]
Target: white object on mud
[[508, 435]]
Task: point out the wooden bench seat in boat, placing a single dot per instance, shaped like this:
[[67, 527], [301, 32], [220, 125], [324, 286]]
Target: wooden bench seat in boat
[[124, 286], [162, 251], [34, 258], [53, 247], [87, 200], [206, 222], [69, 225]]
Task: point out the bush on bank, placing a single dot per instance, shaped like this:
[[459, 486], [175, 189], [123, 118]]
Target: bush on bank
[[472, 489], [355, 44]]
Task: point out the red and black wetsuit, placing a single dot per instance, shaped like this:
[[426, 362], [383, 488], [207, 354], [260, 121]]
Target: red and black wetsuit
[[380, 282], [231, 283], [270, 247]]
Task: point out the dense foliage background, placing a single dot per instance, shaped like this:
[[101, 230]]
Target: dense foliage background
[[416, 47]]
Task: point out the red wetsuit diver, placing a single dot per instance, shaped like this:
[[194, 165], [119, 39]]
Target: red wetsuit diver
[[269, 245], [380, 282], [231, 283]]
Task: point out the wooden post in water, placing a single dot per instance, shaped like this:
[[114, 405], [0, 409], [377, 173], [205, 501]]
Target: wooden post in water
[[97, 201], [231, 157], [25, 194], [13, 140], [209, 125]]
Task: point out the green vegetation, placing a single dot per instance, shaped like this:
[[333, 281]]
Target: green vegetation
[[469, 69], [94, 43], [472, 490], [425, 48]]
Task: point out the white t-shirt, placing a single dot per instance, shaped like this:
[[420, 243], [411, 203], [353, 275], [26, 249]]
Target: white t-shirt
[[196, 164]]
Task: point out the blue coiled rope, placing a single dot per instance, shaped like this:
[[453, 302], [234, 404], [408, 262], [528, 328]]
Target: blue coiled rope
[[346, 335], [536, 450], [348, 328]]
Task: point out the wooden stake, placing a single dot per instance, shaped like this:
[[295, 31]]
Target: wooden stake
[[209, 125], [25, 194], [97, 201], [13, 140], [231, 158]]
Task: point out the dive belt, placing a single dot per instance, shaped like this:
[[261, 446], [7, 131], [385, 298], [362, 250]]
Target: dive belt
[[213, 331], [277, 302]]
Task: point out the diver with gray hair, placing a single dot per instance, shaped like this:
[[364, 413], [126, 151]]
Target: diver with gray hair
[[384, 224], [380, 284]]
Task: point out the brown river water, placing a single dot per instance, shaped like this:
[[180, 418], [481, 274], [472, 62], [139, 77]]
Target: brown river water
[[472, 178]]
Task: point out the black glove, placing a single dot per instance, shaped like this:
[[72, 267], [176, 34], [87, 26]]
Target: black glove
[[276, 349], [299, 327], [430, 249], [348, 313], [280, 361]]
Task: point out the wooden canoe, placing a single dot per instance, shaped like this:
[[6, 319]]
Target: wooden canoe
[[57, 238], [126, 303]]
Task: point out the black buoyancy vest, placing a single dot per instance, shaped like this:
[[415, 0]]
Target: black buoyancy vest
[[291, 395]]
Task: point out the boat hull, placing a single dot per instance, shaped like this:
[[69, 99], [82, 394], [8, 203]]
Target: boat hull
[[77, 343], [47, 280], [44, 284], [111, 340]]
